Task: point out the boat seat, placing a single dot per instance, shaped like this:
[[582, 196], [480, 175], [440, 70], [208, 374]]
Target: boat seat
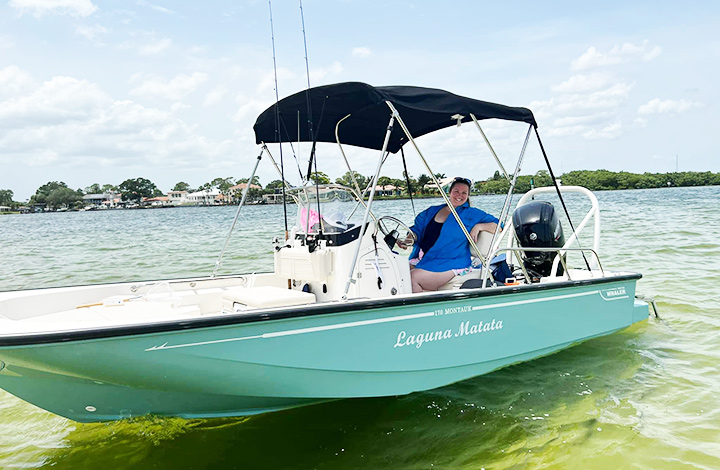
[[300, 263], [459, 279], [243, 298]]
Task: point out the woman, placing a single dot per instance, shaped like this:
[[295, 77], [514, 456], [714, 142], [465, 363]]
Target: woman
[[442, 249]]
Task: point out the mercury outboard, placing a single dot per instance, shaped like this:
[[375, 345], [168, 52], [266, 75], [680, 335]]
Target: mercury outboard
[[537, 225]]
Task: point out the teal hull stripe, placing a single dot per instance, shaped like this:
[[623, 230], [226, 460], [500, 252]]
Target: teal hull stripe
[[373, 322], [299, 331]]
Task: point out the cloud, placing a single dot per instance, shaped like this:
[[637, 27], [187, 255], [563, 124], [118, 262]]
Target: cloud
[[582, 83], [152, 6], [91, 33], [214, 97], [76, 8], [658, 106], [177, 88], [14, 81], [628, 52], [608, 132], [607, 99], [586, 106], [319, 75], [154, 47], [60, 99], [80, 124], [362, 52]]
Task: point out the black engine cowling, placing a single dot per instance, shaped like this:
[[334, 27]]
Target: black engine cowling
[[537, 225]]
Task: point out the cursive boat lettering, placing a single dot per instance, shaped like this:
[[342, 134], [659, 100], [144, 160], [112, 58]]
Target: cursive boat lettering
[[418, 340], [465, 329]]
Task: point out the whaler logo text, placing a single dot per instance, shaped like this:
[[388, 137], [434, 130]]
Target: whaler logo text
[[465, 329]]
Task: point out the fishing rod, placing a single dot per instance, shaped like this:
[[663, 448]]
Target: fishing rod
[[313, 158], [277, 119], [307, 95]]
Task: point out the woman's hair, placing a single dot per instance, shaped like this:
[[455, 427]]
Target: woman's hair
[[461, 180]]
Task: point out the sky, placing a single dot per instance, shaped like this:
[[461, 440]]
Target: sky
[[101, 91]]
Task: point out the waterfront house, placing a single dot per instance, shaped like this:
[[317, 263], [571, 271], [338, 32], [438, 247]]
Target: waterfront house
[[444, 182], [101, 201], [388, 190], [156, 201], [208, 197], [178, 197]]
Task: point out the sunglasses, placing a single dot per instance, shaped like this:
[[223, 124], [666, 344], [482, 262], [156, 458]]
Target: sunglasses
[[460, 179]]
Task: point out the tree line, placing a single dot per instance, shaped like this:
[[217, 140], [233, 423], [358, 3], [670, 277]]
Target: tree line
[[56, 194], [600, 180]]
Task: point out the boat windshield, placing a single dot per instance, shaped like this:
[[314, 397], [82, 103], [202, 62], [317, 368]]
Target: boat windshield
[[330, 208]]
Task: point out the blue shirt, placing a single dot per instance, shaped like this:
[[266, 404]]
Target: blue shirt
[[451, 250]]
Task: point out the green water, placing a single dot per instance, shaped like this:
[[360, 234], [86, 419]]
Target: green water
[[644, 398]]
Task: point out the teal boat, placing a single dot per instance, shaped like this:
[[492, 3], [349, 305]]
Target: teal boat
[[336, 318]]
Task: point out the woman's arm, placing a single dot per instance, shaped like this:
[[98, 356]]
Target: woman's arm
[[483, 227]]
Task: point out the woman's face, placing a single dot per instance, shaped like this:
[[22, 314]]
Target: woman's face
[[459, 194]]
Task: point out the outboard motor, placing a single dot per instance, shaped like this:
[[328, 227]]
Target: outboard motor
[[536, 224]]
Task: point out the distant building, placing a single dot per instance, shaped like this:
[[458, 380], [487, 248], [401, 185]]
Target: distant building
[[388, 190], [157, 201], [104, 201], [239, 188], [236, 191], [444, 182], [178, 197], [207, 197], [4, 209]]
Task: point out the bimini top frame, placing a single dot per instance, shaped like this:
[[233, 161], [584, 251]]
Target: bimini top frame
[[363, 111]]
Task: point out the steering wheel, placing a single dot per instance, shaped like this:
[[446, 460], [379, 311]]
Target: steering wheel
[[391, 236]]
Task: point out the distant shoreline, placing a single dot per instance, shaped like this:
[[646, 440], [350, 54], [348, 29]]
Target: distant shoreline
[[377, 198]]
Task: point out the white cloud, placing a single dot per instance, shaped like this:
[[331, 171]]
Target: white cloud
[[628, 52], [361, 52], [582, 83], [249, 108], [177, 88], [266, 84], [80, 124], [57, 100], [77, 8], [575, 103], [319, 75], [152, 6], [658, 106], [92, 33], [14, 81], [154, 47], [214, 97], [608, 132]]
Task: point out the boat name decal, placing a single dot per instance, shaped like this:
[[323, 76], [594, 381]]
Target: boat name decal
[[464, 329]]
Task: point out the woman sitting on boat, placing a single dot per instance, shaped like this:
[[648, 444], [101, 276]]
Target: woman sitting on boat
[[442, 250]]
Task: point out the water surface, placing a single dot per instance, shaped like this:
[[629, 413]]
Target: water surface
[[643, 398]]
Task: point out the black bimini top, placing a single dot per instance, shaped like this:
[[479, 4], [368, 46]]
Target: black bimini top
[[423, 110]]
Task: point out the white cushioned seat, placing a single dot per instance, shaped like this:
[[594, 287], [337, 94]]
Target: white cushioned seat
[[264, 297]]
